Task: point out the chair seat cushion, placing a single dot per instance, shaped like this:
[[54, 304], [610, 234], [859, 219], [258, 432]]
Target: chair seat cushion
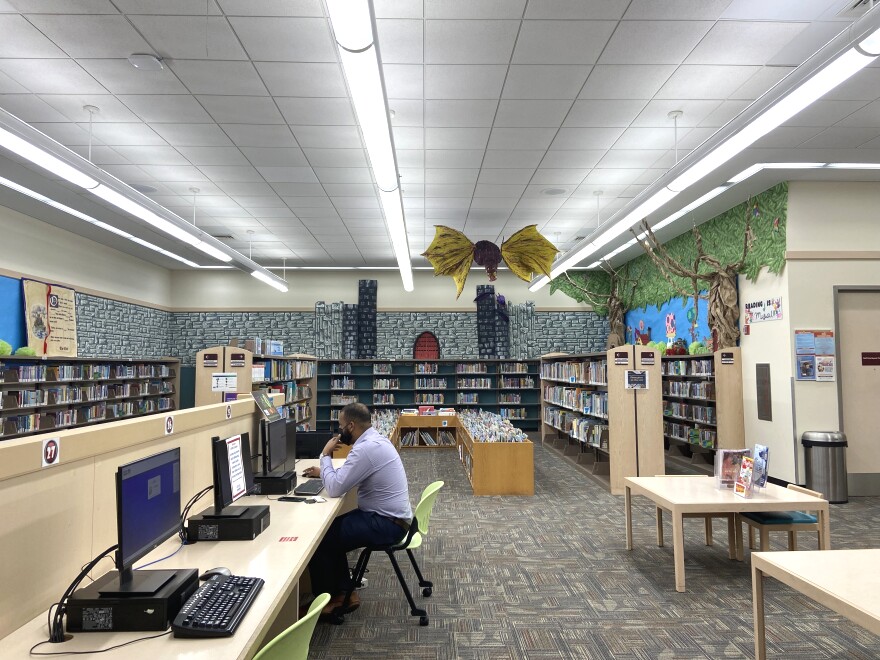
[[780, 518]]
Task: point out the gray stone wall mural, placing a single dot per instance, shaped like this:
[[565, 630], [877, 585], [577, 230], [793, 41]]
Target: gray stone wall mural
[[397, 331], [328, 329], [107, 328], [569, 332]]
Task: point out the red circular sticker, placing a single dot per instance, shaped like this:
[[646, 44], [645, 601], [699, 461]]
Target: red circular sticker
[[50, 452]]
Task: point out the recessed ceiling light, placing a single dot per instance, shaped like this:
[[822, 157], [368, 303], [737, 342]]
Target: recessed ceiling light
[[143, 188], [145, 62], [554, 191]]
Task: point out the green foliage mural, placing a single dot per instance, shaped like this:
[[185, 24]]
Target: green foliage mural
[[722, 237]]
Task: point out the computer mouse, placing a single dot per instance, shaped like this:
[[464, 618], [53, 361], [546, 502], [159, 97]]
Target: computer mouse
[[220, 570]]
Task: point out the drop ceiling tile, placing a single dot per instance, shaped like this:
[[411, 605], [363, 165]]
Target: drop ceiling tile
[[192, 135], [183, 188], [220, 173], [513, 158], [275, 157], [531, 113], [549, 176], [336, 157], [626, 81], [458, 81], [491, 216], [612, 176], [764, 79], [458, 205], [316, 112], [398, 9], [404, 81], [276, 39], [119, 77], [449, 175], [113, 134], [259, 203], [50, 76], [434, 190], [861, 87], [576, 9], [269, 216], [166, 108], [521, 138], [561, 42], [21, 39], [506, 176], [400, 40], [363, 217], [706, 81], [413, 190], [459, 113], [650, 138], [183, 37], [586, 138], [252, 135], [539, 81], [91, 36], [349, 189], [408, 137], [603, 113], [630, 158], [101, 155], [278, 175], [841, 137], [242, 109], [346, 174], [299, 204], [213, 156], [632, 191], [466, 158], [726, 111], [355, 202], [539, 203], [271, 7], [174, 173], [67, 133], [407, 112], [9, 86], [825, 113], [694, 137], [513, 191], [743, 42], [221, 78], [328, 137], [171, 7], [868, 115], [468, 9], [316, 79], [578, 159], [414, 158], [71, 106], [808, 41], [456, 138], [643, 42], [677, 9], [656, 113], [469, 42]]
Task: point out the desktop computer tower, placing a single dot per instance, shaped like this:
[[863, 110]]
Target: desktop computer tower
[[246, 527]]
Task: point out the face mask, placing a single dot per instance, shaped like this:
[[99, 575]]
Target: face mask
[[345, 437]]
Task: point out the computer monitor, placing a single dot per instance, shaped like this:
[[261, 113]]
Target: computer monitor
[[274, 445], [233, 474], [310, 443], [291, 444], [147, 514]]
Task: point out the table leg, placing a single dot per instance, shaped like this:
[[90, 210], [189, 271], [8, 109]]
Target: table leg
[[627, 507], [659, 527], [738, 531], [758, 612], [731, 537], [678, 548], [824, 528]]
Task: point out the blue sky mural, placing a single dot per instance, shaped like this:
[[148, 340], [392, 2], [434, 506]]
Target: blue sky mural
[[12, 318], [668, 322]]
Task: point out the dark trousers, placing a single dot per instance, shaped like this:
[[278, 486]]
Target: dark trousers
[[328, 567]]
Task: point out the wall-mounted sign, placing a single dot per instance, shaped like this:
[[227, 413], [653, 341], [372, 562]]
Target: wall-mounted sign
[[763, 310], [621, 357], [210, 360], [635, 380], [51, 452], [815, 354], [647, 358], [169, 425], [228, 412], [727, 358], [236, 360], [224, 382], [870, 359]]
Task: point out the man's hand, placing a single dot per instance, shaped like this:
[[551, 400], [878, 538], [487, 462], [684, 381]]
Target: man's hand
[[331, 446], [312, 472]]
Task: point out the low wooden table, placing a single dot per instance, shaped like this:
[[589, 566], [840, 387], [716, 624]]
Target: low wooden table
[[845, 581], [699, 495]]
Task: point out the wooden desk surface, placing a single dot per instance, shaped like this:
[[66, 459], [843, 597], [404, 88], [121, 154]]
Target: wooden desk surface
[[279, 555], [846, 581]]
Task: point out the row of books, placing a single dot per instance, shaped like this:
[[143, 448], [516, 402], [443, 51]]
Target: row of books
[[690, 389], [426, 368], [69, 394], [293, 392], [577, 371], [510, 398], [588, 402], [300, 411], [382, 368], [386, 383], [513, 413], [416, 437], [430, 383], [342, 399], [342, 384], [692, 412], [488, 427], [475, 383], [703, 367], [102, 411], [590, 432], [36, 373], [275, 370], [516, 383], [513, 368], [472, 368], [428, 398], [694, 435], [383, 399], [560, 418], [468, 397]]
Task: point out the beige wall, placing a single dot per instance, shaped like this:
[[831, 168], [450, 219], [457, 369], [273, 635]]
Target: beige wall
[[36, 249]]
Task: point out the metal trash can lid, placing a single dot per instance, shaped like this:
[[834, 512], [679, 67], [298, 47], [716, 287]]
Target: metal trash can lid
[[823, 439]]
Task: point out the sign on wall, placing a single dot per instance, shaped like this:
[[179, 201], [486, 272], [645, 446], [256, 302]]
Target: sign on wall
[[763, 310], [815, 355], [50, 318]]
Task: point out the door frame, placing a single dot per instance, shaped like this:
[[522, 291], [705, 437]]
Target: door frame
[[838, 289]]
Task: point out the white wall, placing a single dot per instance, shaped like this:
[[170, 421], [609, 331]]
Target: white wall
[[36, 249], [219, 289], [769, 343]]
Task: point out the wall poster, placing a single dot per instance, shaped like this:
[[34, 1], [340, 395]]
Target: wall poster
[[50, 318], [815, 355]]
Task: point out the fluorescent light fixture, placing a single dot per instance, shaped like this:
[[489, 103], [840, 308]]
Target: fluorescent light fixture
[[212, 251], [799, 98], [539, 283], [130, 206], [352, 23], [391, 205], [871, 43], [746, 173], [854, 166], [92, 221], [45, 160], [268, 278], [595, 264]]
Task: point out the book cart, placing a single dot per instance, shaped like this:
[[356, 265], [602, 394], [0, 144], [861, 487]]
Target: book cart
[[39, 394], [591, 416], [702, 408]]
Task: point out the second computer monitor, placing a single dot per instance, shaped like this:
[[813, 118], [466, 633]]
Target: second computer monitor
[[274, 445], [233, 473], [310, 443]]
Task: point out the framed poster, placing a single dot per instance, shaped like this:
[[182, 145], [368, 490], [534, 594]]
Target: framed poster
[[50, 318]]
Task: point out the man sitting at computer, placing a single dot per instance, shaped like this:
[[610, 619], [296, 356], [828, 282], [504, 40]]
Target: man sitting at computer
[[383, 515]]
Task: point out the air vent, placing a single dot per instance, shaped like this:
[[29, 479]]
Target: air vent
[[223, 237], [554, 191], [142, 188], [855, 9]]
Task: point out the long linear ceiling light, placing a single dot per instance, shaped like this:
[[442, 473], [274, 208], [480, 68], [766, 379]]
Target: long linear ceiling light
[[842, 57], [26, 141], [355, 31]]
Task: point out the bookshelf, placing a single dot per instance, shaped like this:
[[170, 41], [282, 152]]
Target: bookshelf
[[702, 408], [43, 394], [295, 377], [506, 387], [590, 416]]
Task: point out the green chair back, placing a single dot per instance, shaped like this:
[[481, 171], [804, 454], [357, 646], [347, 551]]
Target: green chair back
[[426, 505], [293, 643]]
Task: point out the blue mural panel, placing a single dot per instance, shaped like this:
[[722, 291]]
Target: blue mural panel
[[12, 328], [672, 320]]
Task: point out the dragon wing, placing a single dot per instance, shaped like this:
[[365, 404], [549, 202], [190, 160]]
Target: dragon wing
[[450, 253], [527, 252]]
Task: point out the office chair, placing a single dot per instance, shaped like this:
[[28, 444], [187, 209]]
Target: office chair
[[423, 513], [293, 643], [707, 518], [780, 521]]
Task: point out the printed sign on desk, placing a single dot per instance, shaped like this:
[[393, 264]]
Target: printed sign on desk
[[224, 382], [636, 380]]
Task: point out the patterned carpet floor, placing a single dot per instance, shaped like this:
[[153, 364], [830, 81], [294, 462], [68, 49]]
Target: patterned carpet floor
[[549, 577]]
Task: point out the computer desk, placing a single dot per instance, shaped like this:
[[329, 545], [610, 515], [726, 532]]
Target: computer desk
[[279, 555]]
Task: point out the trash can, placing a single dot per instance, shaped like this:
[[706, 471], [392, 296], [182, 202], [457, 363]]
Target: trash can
[[825, 462]]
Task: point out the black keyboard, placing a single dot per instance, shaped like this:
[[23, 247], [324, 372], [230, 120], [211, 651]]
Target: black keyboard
[[310, 487], [216, 609]]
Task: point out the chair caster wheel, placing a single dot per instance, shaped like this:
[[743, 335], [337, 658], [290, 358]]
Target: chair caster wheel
[[423, 621], [427, 591]]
